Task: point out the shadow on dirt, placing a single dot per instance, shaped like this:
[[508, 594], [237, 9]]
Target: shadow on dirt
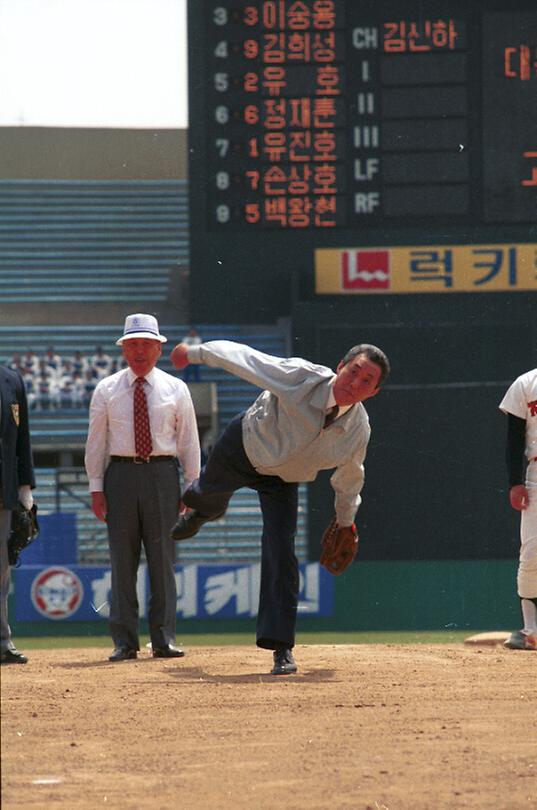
[[174, 668], [197, 675], [104, 662]]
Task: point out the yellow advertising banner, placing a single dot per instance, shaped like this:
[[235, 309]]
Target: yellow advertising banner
[[426, 269]]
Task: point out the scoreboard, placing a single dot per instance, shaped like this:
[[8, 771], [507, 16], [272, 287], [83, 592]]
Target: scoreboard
[[350, 123]]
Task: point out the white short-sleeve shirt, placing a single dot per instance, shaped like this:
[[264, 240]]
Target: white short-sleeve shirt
[[521, 400]]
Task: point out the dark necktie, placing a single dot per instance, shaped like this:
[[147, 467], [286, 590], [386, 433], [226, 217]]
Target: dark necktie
[[142, 430], [331, 415]]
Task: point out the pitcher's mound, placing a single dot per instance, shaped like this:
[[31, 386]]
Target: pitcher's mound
[[488, 639]]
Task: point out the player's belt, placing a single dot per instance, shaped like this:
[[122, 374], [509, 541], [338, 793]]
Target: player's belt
[[140, 459]]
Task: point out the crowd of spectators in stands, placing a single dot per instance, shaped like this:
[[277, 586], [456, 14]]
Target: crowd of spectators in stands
[[54, 382]]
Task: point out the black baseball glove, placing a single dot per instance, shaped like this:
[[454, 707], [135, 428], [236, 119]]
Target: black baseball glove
[[24, 530]]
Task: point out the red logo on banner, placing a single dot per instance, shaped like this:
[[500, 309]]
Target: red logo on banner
[[365, 270], [57, 593]]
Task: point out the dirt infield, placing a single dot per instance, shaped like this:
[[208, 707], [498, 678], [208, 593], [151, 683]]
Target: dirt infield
[[367, 727]]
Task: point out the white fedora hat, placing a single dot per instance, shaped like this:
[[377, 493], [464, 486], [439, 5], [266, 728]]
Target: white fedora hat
[[141, 326]]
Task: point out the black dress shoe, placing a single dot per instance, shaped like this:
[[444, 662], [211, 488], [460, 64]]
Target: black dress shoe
[[188, 525], [123, 654], [13, 657], [169, 651], [284, 663]]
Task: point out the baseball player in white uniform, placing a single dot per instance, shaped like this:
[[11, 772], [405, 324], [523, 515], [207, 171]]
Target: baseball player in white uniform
[[520, 405]]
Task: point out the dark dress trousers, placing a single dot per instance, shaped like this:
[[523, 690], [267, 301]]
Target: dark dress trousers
[[228, 469]]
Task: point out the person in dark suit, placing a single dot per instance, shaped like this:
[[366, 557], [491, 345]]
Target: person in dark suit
[[16, 483]]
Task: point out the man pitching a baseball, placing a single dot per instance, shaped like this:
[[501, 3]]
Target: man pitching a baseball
[[307, 419], [520, 405]]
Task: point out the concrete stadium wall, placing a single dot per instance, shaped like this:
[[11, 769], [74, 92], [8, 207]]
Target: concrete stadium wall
[[92, 154]]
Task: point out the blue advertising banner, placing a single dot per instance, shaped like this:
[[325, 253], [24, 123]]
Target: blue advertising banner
[[56, 541], [82, 593]]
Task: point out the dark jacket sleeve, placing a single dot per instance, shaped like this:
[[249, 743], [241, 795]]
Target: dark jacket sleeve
[[514, 451], [24, 449], [15, 448]]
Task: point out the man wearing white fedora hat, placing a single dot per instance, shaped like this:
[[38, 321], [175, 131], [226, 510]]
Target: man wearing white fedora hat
[[142, 426]]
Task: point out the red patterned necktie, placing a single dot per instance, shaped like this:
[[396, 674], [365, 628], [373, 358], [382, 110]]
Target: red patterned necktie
[[142, 431]]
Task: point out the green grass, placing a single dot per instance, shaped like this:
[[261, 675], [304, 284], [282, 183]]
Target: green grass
[[225, 639]]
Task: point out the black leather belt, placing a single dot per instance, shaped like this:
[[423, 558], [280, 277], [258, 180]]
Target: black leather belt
[[140, 459]]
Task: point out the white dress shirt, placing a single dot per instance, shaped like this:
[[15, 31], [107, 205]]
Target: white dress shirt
[[332, 401], [174, 430]]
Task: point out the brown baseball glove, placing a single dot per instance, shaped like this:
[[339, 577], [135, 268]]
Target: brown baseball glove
[[339, 546]]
